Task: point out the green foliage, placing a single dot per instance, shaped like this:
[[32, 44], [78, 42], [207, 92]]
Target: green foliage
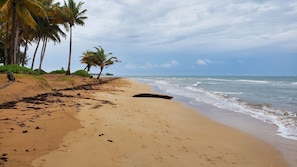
[[58, 72], [82, 73], [66, 79], [41, 71], [98, 58], [16, 69]]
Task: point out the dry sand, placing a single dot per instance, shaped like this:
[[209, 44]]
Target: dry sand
[[106, 126], [35, 126]]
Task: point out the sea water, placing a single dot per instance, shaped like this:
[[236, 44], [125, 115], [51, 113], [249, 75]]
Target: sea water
[[272, 100]]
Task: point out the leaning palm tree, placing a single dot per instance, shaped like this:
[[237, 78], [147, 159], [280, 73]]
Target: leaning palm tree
[[75, 16], [88, 59], [101, 59]]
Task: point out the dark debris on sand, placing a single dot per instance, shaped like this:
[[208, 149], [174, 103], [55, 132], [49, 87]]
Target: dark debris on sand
[[43, 98], [153, 96], [3, 159]]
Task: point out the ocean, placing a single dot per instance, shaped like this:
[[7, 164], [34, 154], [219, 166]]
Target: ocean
[[272, 100]]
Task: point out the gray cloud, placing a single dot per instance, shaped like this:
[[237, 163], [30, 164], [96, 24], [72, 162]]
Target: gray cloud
[[229, 24]]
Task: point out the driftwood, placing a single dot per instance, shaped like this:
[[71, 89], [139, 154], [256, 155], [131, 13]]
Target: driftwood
[[10, 77], [153, 96]]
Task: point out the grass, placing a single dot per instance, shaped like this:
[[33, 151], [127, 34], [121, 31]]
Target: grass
[[66, 79], [16, 69], [38, 78], [81, 73]]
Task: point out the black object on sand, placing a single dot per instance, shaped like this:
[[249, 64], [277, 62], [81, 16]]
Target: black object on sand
[[153, 96]]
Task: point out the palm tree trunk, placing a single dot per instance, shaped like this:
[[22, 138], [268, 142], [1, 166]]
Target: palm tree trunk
[[16, 41], [101, 69], [25, 52], [13, 31], [6, 45], [18, 53], [70, 50], [42, 54], [35, 52], [87, 68]]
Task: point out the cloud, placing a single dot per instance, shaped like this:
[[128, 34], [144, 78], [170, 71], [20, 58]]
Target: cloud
[[150, 66], [147, 65], [201, 62], [213, 21], [204, 62], [216, 25], [208, 62], [220, 25], [170, 64], [131, 66]]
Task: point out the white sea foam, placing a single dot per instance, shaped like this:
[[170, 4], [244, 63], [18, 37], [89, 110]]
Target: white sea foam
[[229, 93], [285, 120], [197, 84], [217, 79], [252, 81], [162, 82]]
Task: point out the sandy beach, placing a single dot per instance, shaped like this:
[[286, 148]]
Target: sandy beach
[[103, 125]]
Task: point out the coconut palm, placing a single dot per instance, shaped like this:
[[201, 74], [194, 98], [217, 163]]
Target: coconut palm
[[101, 59], [75, 16], [52, 32], [27, 35], [55, 16], [16, 13], [88, 59]]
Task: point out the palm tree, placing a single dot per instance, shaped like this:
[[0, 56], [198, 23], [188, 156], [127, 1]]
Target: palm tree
[[48, 28], [38, 39], [87, 58], [18, 12], [75, 16], [52, 32], [103, 60], [26, 37]]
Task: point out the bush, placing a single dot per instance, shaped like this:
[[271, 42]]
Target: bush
[[16, 69], [41, 71], [58, 72], [82, 73]]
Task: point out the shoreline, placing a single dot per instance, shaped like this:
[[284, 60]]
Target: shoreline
[[111, 128], [153, 132]]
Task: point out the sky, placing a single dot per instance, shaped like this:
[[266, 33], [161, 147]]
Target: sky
[[189, 37]]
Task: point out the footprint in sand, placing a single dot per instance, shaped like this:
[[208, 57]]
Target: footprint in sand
[[143, 146]]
